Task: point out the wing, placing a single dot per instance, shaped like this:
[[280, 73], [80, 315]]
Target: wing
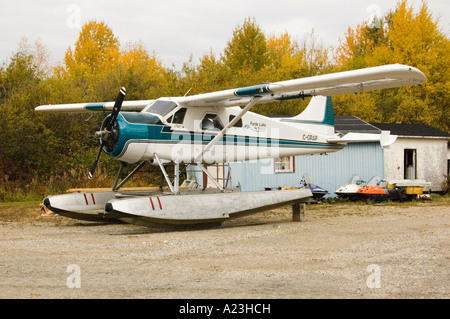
[[92, 107], [355, 81]]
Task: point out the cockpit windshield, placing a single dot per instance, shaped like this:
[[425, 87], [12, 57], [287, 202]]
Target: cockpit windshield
[[161, 108]]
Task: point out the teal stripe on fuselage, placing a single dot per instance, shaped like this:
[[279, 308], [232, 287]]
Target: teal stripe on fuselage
[[151, 133]]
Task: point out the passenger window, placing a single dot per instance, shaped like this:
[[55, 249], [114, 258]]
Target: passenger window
[[238, 123], [178, 117], [212, 122]]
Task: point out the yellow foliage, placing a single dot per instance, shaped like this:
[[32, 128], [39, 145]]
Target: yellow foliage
[[95, 48], [286, 59], [408, 38]]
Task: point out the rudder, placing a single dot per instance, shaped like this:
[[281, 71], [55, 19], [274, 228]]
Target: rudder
[[318, 115]]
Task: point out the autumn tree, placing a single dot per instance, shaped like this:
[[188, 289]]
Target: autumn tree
[[417, 40], [141, 73], [95, 48], [95, 69], [210, 74], [408, 38], [286, 59]]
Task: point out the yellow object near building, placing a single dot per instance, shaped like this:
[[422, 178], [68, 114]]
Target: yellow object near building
[[414, 190], [412, 187]]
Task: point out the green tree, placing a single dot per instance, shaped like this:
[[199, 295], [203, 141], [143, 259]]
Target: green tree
[[246, 53], [23, 133], [140, 72]]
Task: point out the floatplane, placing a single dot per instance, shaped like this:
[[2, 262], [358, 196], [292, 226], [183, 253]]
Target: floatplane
[[211, 128]]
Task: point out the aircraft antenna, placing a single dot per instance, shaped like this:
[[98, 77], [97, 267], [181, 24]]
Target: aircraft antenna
[[187, 92]]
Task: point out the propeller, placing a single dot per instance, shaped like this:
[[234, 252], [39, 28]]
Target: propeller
[[106, 132]]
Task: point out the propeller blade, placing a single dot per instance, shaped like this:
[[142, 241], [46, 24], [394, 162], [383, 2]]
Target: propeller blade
[[112, 119], [94, 165], [116, 108]]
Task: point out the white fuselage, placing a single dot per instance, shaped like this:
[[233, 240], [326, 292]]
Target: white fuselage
[[253, 137]]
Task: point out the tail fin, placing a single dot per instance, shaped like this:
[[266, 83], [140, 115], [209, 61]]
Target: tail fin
[[317, 117]]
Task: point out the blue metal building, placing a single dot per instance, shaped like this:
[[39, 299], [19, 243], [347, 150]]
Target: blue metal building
[[328, 171], [368, 159]]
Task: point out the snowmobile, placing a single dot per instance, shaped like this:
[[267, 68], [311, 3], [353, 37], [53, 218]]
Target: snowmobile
[[349, 189], [317, 191], [376, 190]]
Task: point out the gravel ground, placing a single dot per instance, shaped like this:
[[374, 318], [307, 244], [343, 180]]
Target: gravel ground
[[341, 251]]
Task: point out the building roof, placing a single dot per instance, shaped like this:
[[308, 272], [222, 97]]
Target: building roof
[[351, 123], [411, 130], [346, 124]]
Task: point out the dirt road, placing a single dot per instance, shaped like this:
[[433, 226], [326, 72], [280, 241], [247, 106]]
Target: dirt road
[[340, 251]]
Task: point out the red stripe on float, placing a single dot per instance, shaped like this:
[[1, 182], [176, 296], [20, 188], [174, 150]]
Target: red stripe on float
[[85, 199], [153, 206], [93, 199], [159, 202]]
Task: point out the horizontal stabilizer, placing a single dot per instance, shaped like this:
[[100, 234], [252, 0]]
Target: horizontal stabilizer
[[385, 138]]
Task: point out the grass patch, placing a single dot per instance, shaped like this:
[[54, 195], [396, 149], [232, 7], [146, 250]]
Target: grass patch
[[19, 204], [19, 211]]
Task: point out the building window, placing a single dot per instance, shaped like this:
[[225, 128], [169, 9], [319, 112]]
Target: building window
[[284, 164]]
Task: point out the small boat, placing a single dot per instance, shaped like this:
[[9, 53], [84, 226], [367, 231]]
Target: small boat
[[317, 191], [349, 189]]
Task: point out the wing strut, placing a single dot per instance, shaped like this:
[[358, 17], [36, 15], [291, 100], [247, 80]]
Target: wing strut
[[175, 188], [164, 173], [226, 128]]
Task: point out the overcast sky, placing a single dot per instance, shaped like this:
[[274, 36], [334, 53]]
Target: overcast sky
[[177, 29]]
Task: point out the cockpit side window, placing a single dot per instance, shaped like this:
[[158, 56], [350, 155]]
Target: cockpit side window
[[212, 122], [179, 115], [161, 107]]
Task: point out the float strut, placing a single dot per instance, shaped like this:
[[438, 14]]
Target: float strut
[[137, 168]]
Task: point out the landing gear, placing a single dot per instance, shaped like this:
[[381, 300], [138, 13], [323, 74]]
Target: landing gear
[[117, 186], [174, 183]]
